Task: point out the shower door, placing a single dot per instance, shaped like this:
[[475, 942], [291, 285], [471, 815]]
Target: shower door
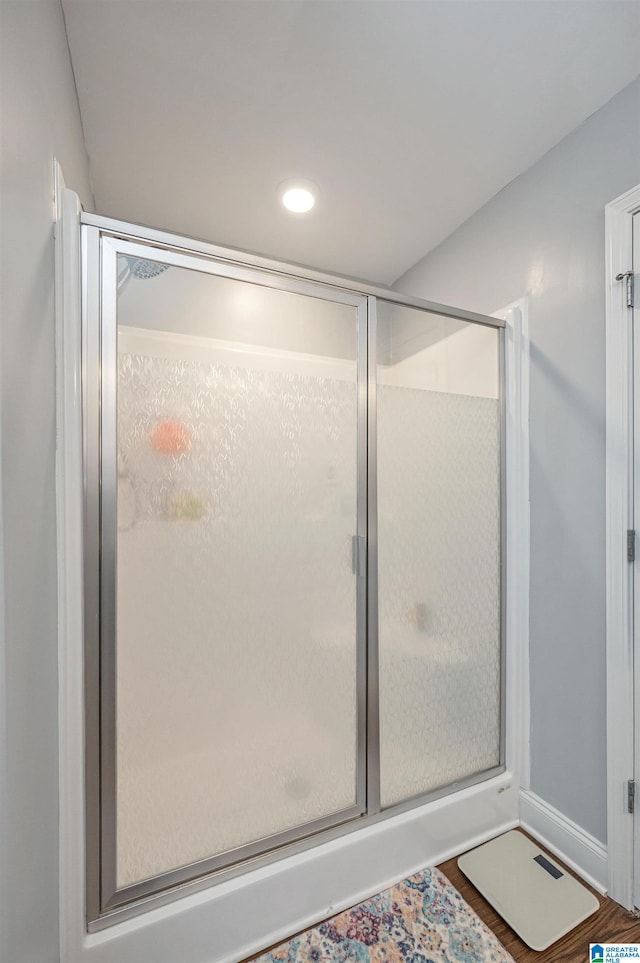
[[294, 559], [226, 454]]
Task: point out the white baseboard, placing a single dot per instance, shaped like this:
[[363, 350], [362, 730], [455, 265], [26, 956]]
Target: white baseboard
[[581, 851]]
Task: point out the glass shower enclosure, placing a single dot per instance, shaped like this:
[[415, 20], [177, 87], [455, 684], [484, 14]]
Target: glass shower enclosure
[[293, 558]]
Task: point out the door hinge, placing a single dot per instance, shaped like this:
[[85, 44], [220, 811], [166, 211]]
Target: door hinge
[[627, 277], [631, 796], [631, 545], [359, 555]]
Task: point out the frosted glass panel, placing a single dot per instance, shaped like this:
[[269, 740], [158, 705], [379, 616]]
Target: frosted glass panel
[[236, 599], [438, 550]]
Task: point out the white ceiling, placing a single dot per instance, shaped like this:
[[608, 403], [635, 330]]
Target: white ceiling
[[408, 115]]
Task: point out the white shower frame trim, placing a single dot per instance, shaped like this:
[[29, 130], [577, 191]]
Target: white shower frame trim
[[240, 916], [516, 317]]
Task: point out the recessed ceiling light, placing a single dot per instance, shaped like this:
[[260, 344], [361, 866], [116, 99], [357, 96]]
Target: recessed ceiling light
[[298, 199], [298, 196]]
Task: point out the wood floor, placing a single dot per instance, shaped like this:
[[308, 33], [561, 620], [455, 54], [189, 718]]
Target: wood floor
[[611, 924]]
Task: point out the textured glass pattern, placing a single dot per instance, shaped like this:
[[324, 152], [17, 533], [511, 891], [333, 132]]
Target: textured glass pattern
[[439, 588], [236, 653]]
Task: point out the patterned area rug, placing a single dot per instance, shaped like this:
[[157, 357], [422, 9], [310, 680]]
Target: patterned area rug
[[423, 919]]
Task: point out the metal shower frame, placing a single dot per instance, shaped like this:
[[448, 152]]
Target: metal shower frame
[[102, 240]]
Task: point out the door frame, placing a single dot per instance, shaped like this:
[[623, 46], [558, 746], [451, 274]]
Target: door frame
[[619, 519]]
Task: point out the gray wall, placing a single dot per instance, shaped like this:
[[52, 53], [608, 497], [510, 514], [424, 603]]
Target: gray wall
[[544, 234], [40, 120]]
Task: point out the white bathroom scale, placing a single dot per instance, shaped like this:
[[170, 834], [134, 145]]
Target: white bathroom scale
[[538, 899]]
